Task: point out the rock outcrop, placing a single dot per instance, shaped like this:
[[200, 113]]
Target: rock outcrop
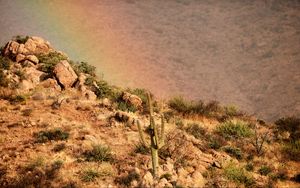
[[132, 99], [64, 73]]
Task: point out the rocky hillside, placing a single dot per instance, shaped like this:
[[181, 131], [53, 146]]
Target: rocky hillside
[[61, 126]]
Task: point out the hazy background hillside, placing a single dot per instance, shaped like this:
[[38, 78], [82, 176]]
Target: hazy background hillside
[[237, 52]]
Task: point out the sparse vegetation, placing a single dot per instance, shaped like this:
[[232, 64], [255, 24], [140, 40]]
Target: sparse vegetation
[[55, 134], [265, 170], [142, 149], [233, 151], [27, 112], [4, 81], [83, 67], [291, 125], [89, 175], [37, 162], [99, 153], [48, 61], [234, 129], [127, 179], [21, 74], [292, 150], [238, 175], [196, 130], [59, 147], [21, 39]]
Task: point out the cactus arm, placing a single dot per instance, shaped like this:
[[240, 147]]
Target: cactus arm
[[141, 133], [162, 139]]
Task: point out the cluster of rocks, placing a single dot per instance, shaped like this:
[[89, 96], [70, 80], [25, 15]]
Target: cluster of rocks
[[26, 60]]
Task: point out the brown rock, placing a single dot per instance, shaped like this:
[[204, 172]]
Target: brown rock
[[198, 180], [65, 74], [50, 83], [32, 58], [33, 75], [20, 57], [26, 85], [30, 45], [132, 99], [13, 48], [148, 180], [90, 95]]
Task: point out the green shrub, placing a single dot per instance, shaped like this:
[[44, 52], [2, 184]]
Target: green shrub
[[249, 167], [292, 150], [59, 147], [21, 75], [15, 99], [235, 129], [264, 170], [89, 175], [21, 39], [231, 111], [238, 175], [5, 63], [126, 107], [179, 122], [4, 81], [196, 130], [99, 153], [290, 124], [142, 149], [83, 67], [103, 90], [55, 134], [48, 61], [235, 152]]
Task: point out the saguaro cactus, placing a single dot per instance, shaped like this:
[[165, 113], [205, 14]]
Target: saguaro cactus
[[156, 140]]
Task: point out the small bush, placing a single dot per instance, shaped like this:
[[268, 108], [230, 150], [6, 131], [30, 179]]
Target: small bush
[[126, 107], [59, 147], [185, 107], [167, 176], [4, 81], [216, 142], [290, 124], [53, 169], [142, 149], [179, 123], [83, 67], [89, 175], [56, 134], [249, 167], [48, 61], [15, 99], [27, 112], [265, 170], [103, 89], [21, 75], [238, 175], [99, 153], [196, 130], [5, 63], [234, 129], [235, 152], [38, 162], [292, 150], [126, 180], [21, 39]]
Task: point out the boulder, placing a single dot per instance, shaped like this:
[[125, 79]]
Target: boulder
[[32, 58], [33, 75], [20, 57], [30, 46], [132, 99], [198, 180], [90, 95], [50, 83], [64, 73], [26, 85], [148, 180]]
